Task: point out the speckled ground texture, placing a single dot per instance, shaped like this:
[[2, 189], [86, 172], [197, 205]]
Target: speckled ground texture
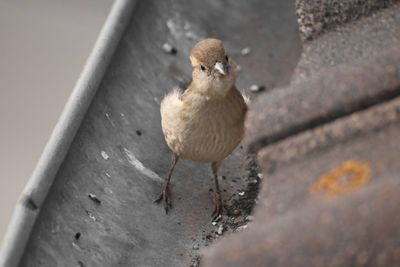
[[119, 156]]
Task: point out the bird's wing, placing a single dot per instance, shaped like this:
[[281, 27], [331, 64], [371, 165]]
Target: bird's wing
[[171, 100], [245, 97], [187, 92]]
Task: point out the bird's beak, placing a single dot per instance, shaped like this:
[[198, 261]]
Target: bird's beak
[[219, 68]]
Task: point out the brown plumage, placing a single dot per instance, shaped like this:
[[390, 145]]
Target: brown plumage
[[206, 122]]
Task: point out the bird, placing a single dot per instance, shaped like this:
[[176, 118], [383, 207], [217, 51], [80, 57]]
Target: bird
[[205, 122]]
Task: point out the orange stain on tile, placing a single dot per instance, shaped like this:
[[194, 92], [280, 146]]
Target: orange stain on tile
[[348, 177]]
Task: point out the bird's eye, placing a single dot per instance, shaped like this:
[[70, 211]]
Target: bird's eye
[[226, 58], [203, 68]]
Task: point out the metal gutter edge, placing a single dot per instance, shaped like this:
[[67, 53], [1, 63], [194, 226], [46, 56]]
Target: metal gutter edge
[[35, 192]]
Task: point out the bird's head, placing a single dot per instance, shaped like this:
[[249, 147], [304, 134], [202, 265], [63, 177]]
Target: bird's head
[[213, 70]]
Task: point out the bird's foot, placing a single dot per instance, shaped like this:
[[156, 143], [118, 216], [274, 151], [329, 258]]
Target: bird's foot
[[217, 208], [165, 196]]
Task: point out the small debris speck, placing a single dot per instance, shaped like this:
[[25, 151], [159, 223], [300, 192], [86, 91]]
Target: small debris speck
[[94, 198], [260, 175], [217, 219], [195, 247], [91, 216], [104, 155], [256, 88], [138, 132], [250, 218], [241, 193], [245, 51], [191, 35], [195, 262], [238, 68], [77, 236], [255, 181], [237, 212], [241, 228], [109, 118], [75, 246], [169, 49], [220, 229]]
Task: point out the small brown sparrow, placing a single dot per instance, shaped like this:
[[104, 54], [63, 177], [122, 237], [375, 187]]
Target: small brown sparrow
[[206, 122]]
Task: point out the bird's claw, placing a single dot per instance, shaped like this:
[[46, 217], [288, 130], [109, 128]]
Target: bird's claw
[[217, 208], [165, 196]]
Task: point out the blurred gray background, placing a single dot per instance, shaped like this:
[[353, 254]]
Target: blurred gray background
[[43, 47]]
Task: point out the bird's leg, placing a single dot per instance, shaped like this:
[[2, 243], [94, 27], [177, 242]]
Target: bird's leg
[[166, 192], [217, 194]]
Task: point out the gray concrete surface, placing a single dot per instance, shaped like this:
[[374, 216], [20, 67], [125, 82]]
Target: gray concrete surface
[[119, 153]]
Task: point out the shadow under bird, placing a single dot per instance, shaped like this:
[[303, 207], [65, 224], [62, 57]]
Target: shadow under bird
[[206, 122]]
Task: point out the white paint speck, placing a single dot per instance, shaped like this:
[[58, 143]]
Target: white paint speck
[[91, 216], [109, 118], [104, 155], [220, 229], [241, 228], [241, 193], [169, 49], [108, 175], [245, 51], [75, 246], [124, 119], [140, 167], [260, 175], [191, 35], [256, 88], [214, 222], [178, 28], [173, 28]]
